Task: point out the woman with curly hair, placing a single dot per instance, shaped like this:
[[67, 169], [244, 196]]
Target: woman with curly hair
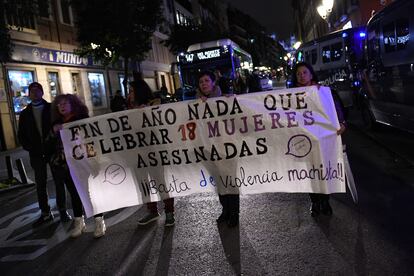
[[69, 108]]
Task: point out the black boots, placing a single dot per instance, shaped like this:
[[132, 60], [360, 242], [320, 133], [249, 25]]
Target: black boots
[[326, 208], [64, 216], [315, 209], [321, 206], [44, 217]]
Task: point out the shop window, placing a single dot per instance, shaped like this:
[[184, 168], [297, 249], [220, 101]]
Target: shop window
[[403, 33], [121, 78], [53, 80], [76, 84], [19, 81], [97, 87], [389, 38]]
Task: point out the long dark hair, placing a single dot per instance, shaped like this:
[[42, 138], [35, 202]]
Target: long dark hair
[[142, 92], [79, 109], [295, 70]]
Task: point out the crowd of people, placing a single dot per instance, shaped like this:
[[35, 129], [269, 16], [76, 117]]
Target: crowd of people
[[40, 124]]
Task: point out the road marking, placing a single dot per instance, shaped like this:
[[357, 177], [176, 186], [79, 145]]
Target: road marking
[[25, 216]]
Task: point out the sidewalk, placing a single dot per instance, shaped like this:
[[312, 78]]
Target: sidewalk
[[15, 154]]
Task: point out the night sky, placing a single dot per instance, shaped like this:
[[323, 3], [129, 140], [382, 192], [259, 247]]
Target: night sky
[[275, 15]]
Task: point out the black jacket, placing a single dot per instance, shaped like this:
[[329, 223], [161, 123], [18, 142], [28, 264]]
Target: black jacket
[[55, 150], [118, 103], [28, 134]]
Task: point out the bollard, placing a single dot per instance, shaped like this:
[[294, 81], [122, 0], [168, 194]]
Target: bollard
[[22, 171], [9, 167]]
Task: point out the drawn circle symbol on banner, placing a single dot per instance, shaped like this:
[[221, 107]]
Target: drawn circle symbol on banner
[[299, 146], [115, 174]]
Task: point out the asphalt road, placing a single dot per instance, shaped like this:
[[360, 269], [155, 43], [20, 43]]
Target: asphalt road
[[276, 235]]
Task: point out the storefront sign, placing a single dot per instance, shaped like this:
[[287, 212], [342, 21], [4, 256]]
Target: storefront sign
[[43, 55], [277, 141]]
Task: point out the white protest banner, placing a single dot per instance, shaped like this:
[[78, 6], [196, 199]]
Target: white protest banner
[[275, 141]]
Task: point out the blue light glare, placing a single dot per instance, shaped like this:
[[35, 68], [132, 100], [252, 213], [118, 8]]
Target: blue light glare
[[344, 35], [362, 34]]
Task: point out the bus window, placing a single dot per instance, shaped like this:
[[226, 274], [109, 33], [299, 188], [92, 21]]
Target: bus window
[[336, 51], [326, 54], [307, 58], [403, 33], [389, 37], [314, 56], [300, 56]]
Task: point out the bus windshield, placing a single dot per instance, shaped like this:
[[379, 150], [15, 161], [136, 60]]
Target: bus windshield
[[223, 55]]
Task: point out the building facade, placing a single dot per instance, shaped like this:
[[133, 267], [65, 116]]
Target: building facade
[[44, 52], [310, 25]]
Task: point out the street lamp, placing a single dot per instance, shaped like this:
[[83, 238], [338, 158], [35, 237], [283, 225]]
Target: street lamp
[[297, 45], [325, 9], [328, 4]]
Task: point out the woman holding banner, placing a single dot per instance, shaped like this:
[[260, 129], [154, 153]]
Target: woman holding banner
[[68, 108], [304, 75], [230, 203], [140, 95]]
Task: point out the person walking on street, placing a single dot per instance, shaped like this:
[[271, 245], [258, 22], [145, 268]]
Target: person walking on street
[[118, 103], [230, 203], [34, 126], [68, 108], [222, 82], [140, 95], [304, 75]]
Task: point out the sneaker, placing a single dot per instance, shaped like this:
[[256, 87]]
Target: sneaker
[[64, 216], [100, 227], [44, 217], [78, 227], [149, 218], [169, 219]]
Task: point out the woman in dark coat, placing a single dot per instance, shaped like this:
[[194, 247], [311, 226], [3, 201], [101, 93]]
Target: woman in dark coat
[[304, 75]]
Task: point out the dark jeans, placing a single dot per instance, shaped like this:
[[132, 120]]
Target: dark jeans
[[39, 165], [168, 205], [318, 198], [230, 203], [63, 178]]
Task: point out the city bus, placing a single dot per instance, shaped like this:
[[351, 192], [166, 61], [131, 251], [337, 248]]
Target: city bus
[[224, 55], [389, 86], [337, 59]]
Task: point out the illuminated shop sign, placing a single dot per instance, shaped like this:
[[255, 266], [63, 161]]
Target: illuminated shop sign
[[209, 54], [205, 54], [43, 55]]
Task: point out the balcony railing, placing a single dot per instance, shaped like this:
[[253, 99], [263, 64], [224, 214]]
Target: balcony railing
[[18, 20]]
